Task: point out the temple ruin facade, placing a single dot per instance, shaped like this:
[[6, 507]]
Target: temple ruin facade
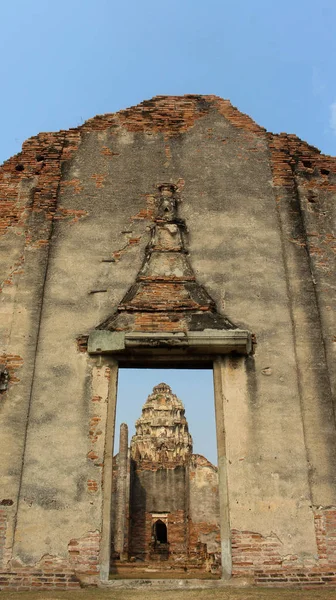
[[176, 233]]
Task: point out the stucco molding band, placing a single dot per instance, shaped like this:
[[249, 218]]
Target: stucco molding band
[[199, 342]]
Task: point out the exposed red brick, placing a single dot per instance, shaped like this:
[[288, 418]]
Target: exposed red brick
[[12, 362], [105, 151], [69, 213], [92, 485], [96, 398], [292, 157], [84, 554], [99, 180], [75, 185], [92, 455], [325, 529], [261, 557], [54, 573], [82, 342]]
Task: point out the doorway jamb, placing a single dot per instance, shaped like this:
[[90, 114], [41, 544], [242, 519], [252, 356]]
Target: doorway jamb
[[219, 387], [105, 547]]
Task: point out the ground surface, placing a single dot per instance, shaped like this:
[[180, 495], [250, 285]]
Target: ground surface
[[222, 594]]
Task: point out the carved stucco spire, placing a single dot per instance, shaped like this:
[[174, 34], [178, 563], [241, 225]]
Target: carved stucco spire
[[162, 434], [166, 295]]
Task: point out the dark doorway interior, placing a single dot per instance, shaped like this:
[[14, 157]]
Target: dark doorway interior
[[160, 532]]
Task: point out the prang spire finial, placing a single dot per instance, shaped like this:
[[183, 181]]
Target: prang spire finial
[[167, 203]]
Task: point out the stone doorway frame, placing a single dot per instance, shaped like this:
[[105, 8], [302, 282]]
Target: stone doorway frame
[[220, 351]]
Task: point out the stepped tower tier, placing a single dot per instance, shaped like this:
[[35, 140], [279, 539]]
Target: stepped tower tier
[[162, 434]]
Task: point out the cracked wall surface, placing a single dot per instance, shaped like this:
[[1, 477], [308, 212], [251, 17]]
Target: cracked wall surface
[[76, 211]]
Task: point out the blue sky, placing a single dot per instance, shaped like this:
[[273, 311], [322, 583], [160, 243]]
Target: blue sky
[[66, 61], [194, 388]]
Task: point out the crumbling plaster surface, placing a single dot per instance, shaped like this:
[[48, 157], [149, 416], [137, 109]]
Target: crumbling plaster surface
[[267, 477], [236, 251], [16, 324], [23, 268], [203, 482], [318, 208]]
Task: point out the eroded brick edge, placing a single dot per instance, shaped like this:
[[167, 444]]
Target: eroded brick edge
[[80, 568]]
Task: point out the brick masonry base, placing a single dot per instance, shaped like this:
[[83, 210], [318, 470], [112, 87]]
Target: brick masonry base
[[27, 579], [255, 557], [298, 578], [79, 569], [260, 557]]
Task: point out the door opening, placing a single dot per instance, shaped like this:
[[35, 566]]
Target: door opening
[[160, 532], [166, 465]]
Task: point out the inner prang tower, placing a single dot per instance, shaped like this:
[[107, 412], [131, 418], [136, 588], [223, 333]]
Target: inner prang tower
[[162, 434], [171, 502]]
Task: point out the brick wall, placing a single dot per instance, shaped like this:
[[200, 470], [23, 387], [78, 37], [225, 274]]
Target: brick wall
[[156, 490], [177, 533], [325, 527], [80, 567], [261, 557], [142, 534], [12, 362], [84, 556], [26, 579], [200, 531], [252, 550], [186, 537]]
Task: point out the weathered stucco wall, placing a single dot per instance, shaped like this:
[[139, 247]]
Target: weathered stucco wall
[[76, 208], [203, 505]]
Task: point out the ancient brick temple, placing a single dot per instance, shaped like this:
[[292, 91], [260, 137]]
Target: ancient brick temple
[[165, 498], [176, 233]]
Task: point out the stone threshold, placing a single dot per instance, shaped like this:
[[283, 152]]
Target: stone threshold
[[175, 584]]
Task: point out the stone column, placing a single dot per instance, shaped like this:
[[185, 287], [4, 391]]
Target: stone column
[[120, 526]]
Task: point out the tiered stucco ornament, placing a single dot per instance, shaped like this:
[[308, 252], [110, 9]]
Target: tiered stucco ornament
[[162, 434], [167, 307]]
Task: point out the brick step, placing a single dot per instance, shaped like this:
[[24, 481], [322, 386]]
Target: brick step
[[157, 566]]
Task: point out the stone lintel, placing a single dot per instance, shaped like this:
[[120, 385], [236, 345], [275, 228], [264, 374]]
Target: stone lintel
[[209, 341]]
